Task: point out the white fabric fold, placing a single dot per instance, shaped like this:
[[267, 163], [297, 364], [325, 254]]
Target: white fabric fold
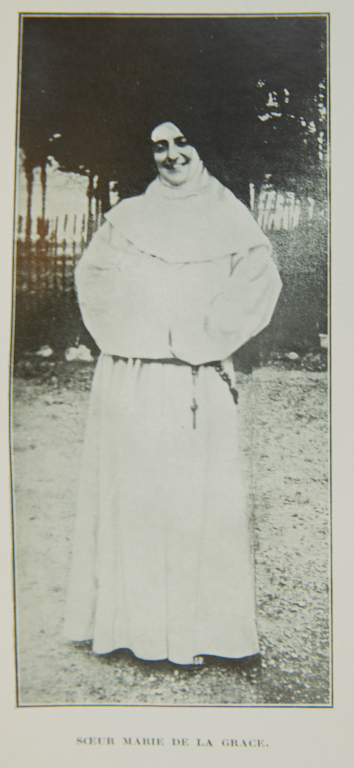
[[197, 221]]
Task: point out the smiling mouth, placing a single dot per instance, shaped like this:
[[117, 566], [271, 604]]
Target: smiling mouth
[[172, 166]]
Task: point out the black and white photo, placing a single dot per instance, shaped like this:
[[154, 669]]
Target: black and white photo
[[169, 407]]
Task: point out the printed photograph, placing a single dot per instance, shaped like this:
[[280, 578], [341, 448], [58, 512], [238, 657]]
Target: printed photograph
[[170, 411]]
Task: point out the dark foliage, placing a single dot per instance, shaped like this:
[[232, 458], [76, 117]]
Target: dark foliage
[[104, 82]]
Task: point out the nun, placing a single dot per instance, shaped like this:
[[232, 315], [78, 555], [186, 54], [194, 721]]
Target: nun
[[172, 284]]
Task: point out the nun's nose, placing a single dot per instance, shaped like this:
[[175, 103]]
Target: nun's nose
[[172, 150]]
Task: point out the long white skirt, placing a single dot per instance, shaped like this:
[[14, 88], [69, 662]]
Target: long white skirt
[[162, 562]]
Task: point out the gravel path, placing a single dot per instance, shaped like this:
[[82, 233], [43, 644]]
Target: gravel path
[[285, 431]]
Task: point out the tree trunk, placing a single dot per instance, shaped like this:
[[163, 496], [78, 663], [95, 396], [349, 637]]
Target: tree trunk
[[103, 193], [29, 178]]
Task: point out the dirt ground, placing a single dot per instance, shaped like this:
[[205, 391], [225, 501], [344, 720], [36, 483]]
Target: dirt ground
[[285, 431]]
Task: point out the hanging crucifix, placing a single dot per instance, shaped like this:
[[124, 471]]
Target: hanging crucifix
[[194, 405], [194, 408]]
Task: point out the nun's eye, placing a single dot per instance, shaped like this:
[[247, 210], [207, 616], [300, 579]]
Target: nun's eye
[[160, 146], [181, 141]]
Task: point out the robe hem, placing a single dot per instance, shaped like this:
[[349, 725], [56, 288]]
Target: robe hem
[[242, 655]]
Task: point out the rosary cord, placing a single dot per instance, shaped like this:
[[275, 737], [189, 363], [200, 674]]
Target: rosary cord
[[225, 377]]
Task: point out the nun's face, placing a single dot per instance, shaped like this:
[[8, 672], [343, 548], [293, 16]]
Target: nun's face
[[176, 160]]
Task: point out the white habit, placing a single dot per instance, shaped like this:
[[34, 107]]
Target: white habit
[[174, 280]]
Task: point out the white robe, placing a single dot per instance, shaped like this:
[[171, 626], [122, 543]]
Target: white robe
[[162, 562]]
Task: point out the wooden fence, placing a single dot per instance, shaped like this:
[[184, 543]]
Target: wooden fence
[[46, 267]]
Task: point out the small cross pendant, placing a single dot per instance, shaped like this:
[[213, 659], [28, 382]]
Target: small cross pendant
[[194, 407]]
